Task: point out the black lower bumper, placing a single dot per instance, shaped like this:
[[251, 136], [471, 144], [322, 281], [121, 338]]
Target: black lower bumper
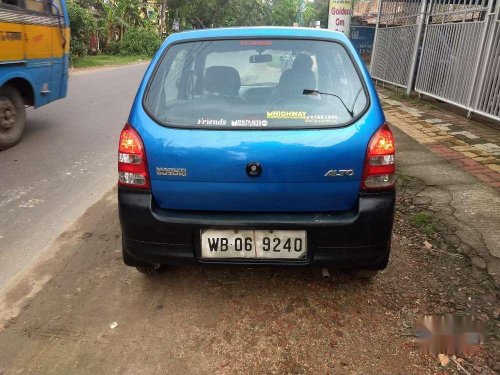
[[357, 238]]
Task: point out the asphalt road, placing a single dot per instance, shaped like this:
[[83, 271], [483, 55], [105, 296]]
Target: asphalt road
[[65, 162]]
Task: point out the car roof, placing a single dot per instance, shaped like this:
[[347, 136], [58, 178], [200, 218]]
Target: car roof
[[258, 32]]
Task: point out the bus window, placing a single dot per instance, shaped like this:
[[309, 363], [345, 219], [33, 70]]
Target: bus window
[[56, 10], [37, 6], [11, 2]]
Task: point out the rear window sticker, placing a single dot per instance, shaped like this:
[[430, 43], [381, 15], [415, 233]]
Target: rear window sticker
[[321, 119], [208, 121], [256, 42], [287, 115], [249, 123]]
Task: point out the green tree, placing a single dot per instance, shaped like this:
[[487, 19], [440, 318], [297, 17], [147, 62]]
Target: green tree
[[118, 22], [127, 14], [285, 12], [116, 16], [140, 41], [246, 13], [316, 11], [206, 13], [82, 25], [199, 14]]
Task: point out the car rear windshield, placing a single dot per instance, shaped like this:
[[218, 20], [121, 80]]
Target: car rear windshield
[[271, 83]]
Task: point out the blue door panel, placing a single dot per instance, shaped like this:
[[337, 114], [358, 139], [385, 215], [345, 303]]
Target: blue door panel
[[57, 76], [41, 72]]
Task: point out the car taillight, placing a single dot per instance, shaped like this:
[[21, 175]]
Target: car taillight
[[132, 165], [380, 168]]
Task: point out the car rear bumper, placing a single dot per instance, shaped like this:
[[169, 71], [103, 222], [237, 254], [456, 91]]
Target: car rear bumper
[[359, 237]]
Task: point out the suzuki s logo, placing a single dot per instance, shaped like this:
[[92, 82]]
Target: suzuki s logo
[[339, 172]]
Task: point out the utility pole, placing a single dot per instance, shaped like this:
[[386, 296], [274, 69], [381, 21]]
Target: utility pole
[[163, 11], [300, 16]]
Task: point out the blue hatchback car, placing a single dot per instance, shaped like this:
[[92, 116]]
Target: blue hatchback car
[[257, 146]]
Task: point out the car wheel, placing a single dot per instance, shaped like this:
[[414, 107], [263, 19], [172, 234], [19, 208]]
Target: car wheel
[[363, 274], [155, 270], [12, 117]]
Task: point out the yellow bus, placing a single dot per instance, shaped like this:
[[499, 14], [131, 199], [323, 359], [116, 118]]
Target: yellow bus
[[34, 50]]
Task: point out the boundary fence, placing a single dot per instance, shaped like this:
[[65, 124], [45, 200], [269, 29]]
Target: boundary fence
[[445, 49]]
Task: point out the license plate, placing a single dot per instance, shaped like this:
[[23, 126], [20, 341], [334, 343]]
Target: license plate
[[253, 244]]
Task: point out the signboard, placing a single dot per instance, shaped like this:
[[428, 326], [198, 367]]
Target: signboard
[[339, 17], [362, 38]]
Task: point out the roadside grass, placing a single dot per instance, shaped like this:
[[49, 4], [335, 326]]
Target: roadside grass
[[106, 60], [400, 94], [424, 221], [403, 180]]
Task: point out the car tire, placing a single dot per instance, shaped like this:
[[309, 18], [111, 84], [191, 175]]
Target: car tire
[[372, 271], [142, 267], [12, 117], [155, 270]]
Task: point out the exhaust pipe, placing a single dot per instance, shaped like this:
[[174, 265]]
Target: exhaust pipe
[[325, 273]]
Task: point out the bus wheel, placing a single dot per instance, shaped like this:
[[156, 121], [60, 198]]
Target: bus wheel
[[12, 117]]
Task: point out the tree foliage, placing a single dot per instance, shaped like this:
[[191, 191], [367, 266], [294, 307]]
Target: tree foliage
[[226, 13], [140, 41], [285, 12], [316, 11], [199, 14], [82, 25], [118, 22]]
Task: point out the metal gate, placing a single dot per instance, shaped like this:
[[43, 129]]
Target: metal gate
[[451, 50], [487, 101], [395, 39], [458, 58]]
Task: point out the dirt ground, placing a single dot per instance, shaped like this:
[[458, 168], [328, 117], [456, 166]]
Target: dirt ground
[[57, 317]]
